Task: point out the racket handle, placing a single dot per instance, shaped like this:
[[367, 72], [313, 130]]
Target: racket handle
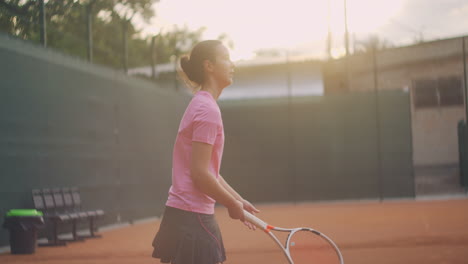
[[255, 220]]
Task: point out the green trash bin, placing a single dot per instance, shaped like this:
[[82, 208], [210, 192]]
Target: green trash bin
[[23, 225]]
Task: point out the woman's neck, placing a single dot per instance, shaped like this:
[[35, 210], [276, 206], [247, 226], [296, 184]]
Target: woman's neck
[[212, 88]]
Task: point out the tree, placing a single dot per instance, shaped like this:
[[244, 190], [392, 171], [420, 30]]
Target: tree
[[16, 18], [172, 44], [122, 12], [112, 23], [66, 24], [226, 40]]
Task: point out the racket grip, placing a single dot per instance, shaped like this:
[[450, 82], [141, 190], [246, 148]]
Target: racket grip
[[255, 220]]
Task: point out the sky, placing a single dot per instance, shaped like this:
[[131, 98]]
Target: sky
[[300, 27]]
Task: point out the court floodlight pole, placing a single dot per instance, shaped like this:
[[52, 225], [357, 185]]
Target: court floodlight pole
[[329, 34], [346, 36], [291, 147], [377, 121], [346, 39]]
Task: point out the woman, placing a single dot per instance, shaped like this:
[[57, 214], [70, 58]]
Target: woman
[[188, 233]]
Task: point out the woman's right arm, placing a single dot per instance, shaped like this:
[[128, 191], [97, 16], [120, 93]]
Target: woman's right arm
[[205, 181]]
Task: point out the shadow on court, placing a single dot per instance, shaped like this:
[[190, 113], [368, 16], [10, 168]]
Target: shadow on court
[[427, 232]]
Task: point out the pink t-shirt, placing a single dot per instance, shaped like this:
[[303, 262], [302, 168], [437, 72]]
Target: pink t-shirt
[[202, 123]]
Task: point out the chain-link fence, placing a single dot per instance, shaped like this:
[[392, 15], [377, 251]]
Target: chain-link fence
[[77, 30]]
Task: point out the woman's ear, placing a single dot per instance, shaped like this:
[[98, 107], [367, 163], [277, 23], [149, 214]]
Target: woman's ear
[[208, 66]]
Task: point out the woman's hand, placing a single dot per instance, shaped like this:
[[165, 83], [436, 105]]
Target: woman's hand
[[251, 209], [236, 210]]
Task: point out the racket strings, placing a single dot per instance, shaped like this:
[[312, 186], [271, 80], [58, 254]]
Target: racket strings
[[307, 247]]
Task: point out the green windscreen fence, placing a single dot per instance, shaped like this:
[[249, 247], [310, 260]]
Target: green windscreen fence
[[67, 123], [352, 146]]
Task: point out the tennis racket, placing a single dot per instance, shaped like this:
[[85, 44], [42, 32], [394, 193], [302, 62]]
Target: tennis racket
[[303, 245]]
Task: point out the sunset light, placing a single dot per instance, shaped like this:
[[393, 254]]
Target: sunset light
[[262, 24]]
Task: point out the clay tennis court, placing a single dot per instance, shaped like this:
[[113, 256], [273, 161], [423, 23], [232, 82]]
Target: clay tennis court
[[405, 231]]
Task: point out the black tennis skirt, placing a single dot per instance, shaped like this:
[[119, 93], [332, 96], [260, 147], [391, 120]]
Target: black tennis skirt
[[188, 238]]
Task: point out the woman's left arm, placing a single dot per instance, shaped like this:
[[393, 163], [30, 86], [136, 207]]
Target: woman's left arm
[[247, 205]]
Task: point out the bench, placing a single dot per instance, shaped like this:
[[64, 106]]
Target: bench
[[61, 206], [92, 215]]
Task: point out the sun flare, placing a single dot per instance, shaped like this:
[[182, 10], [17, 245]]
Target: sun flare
[[266, 24]]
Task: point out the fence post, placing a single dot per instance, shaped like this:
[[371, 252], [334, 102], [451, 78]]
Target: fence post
[[462, 153], [42, 22], [125, 23], [153, 59], [89, 27]]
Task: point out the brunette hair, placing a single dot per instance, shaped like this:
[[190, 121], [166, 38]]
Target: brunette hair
[[192, 70]]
